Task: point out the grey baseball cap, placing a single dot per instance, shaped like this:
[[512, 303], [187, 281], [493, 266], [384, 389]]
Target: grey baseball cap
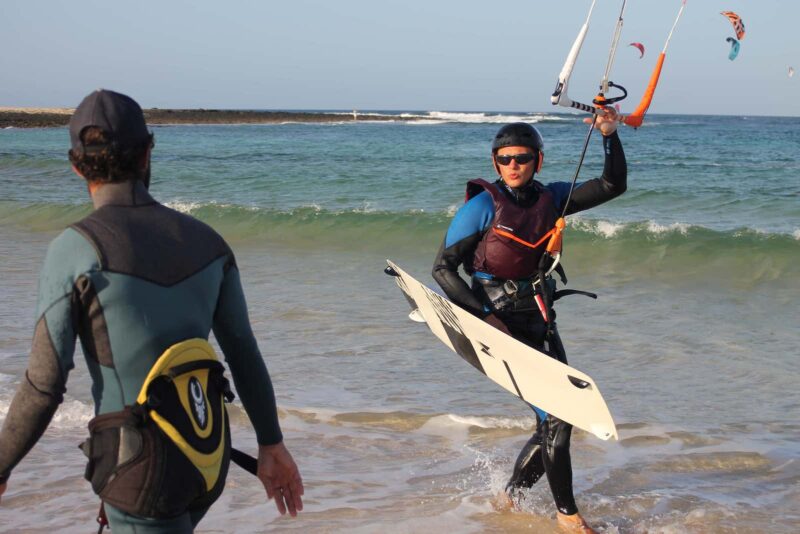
[[117, 114]]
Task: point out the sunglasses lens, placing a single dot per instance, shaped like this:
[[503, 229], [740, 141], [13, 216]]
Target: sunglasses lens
[[521, 159]]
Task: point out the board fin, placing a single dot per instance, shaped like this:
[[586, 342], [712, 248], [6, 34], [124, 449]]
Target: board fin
[[416, 316]]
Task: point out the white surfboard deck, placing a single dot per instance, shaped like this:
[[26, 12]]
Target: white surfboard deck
[[533, 376]]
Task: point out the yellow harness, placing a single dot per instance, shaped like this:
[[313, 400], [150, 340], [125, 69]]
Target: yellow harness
[[198, 427]]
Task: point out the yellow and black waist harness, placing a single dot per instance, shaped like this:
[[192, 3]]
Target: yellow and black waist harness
[[169, 452]]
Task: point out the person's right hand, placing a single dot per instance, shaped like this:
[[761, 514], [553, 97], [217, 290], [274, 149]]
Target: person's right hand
[[606, 121], [493, 320], [281, 478]]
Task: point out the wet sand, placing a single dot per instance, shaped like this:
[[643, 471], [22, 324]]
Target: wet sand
[[48, 117]]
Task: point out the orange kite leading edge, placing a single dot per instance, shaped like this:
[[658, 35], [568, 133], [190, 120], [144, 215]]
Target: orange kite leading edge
[[736, 20], [636, 118]]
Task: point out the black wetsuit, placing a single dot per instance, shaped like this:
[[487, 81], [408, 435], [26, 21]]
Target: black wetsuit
[[467, 230], [130, 280]]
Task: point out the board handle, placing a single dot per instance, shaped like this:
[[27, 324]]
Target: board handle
[[578, 383]]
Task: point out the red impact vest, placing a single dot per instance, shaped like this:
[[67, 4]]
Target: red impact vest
[[512, 247]]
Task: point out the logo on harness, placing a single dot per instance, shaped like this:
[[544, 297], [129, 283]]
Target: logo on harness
[[198, 404]]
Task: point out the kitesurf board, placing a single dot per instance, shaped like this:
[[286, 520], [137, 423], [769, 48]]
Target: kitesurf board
[[533, 376]]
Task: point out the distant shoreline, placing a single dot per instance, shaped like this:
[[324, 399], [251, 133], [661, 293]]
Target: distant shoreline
[[55, 117]]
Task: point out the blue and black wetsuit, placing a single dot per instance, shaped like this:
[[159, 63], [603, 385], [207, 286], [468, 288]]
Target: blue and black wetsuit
[[130, 280], [466, 244]]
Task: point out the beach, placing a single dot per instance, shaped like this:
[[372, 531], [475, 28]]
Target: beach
[[693, 340]]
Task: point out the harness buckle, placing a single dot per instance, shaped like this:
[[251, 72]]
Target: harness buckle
[[510, 287]]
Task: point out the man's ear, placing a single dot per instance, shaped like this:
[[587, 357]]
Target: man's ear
[[144, 162], [76, 171]]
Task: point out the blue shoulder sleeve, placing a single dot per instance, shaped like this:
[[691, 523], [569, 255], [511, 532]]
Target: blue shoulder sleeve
[[471, 218]]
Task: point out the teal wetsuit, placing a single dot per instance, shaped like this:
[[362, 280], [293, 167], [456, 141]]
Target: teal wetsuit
[[130, 280]]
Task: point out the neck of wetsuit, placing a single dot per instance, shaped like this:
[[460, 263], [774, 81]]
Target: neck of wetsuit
[[525, 195]]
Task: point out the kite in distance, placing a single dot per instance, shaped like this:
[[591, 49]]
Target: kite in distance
[[736, 20], [734, 48], [640, 46], [791, 72]]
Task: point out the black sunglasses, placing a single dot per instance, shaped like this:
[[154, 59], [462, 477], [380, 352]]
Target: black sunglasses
[[521, 159]]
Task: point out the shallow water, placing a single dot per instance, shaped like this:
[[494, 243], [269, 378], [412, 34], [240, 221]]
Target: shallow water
[[693, 342]]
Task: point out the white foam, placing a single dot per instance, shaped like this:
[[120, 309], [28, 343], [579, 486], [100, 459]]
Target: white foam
[[493, 422], [187, 206], [796, 234], [184, 207], [602, 228], [312, 206], [606, 229], [439, 117], [659, 229], [70, 415], [446, 427], [609, 229]]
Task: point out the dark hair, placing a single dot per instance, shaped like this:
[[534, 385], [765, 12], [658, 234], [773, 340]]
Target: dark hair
[[103, 161]]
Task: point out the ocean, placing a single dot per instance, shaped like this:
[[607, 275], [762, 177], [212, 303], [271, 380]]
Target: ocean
[[694, 340]]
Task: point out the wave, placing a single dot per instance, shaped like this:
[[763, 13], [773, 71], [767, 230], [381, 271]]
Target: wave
[[41, 216], [649, 246], [254, 221]]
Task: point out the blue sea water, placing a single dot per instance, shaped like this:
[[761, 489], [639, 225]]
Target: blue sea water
[[694, 340]]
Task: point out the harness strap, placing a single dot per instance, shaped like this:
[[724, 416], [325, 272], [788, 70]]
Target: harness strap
[[102, 520], [245, 461], [567, 292]]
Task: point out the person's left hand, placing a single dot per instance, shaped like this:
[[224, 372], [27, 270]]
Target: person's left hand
[[281, 478], [3, 487], [607, 120]]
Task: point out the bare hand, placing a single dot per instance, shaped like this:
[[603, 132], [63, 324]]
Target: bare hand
[[607, 120], [493, 320], [281, 478], [3, 487]]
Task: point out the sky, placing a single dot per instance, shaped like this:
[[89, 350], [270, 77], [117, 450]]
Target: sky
[[428, 55]]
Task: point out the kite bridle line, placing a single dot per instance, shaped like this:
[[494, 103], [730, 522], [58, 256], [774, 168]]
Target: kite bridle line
[[635, 119], [601, 100], [613, 50]]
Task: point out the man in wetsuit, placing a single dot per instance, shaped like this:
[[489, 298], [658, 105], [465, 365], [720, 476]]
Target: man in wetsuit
[[131, 280], [493, 235]]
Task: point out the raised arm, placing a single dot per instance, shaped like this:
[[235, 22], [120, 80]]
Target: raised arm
[[614, 180]]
